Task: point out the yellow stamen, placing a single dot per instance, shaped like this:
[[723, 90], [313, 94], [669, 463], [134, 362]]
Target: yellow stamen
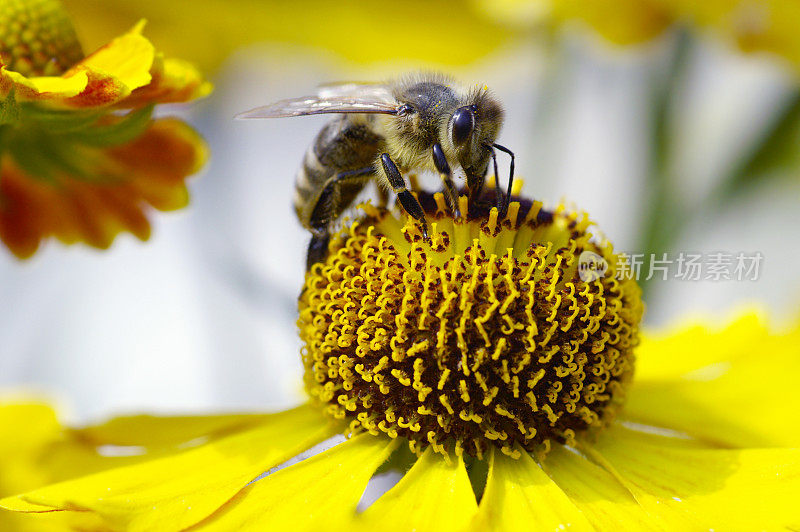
[[496, 316]]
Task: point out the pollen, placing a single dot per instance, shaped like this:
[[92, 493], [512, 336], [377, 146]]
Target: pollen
[[37, 37], [510, 333]]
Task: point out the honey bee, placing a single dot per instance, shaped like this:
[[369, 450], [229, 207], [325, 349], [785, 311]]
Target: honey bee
[[420, 122]]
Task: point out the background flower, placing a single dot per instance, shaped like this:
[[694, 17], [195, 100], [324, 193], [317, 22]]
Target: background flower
[[755, 26], [360, 30], [72, 165]]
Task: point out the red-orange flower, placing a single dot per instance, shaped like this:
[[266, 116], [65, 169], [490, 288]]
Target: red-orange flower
[[80, 157]]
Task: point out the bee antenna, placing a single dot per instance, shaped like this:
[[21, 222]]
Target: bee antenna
[[510, 173]]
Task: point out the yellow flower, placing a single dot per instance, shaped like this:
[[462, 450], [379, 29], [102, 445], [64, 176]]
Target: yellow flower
[[623, 22], [489, 336], [706, 439], [80, 156], [754, 25], [762, 25], [360, 30], [36, 450]]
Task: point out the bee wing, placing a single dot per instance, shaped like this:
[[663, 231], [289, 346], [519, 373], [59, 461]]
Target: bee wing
[[340, 89], [339, 98]]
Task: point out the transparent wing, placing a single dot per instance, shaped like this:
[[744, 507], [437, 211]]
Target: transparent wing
[[343, 89], [336, 98]]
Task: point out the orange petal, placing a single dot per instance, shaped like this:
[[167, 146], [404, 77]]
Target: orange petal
[[167, 152], [149, 171], [21, 202]]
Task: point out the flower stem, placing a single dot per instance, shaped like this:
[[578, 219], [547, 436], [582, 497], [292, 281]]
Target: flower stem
[[775, 153], [664, 212]]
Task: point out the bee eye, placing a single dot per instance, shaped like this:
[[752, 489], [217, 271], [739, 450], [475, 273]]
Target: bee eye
[[463, 125]]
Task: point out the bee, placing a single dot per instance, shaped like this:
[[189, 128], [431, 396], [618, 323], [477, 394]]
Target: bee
[[421, 122]]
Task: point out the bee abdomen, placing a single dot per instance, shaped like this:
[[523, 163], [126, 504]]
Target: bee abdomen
[[344, 145], [309, 182]]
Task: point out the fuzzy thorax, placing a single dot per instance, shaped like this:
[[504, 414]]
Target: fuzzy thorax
[[491, 333]]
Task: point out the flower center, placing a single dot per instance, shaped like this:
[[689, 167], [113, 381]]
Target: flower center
[[37, 37], [493, 333]]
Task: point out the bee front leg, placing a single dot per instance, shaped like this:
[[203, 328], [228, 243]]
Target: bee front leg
[[504, 208], [407, 199], [499, 199], [440, 161]]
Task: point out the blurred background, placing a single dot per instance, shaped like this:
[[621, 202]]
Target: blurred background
[[676, 127]]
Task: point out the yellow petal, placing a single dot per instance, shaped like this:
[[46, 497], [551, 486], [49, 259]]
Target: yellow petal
[[690, 488], [29, 435], [157, 431], [320, 493], [133, 439], [35, 450], [732, 388], [102, 78], [184, 74], [520, 496], [173, 80], [696, 344], [25, 425], [208, 31], [606, 503], [127, 59], [50, 522], [432, 496], [623, 22], [43, 87], [26, 431], [20, 505], [177, 491], [767, 25]]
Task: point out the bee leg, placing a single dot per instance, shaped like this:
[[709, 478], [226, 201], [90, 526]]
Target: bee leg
[[406, 198], [330, 205], [330, 202], [440, 161], [317, 248], [507, 199], [499, 198]]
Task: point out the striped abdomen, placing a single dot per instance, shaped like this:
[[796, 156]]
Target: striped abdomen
[[344, 145]]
